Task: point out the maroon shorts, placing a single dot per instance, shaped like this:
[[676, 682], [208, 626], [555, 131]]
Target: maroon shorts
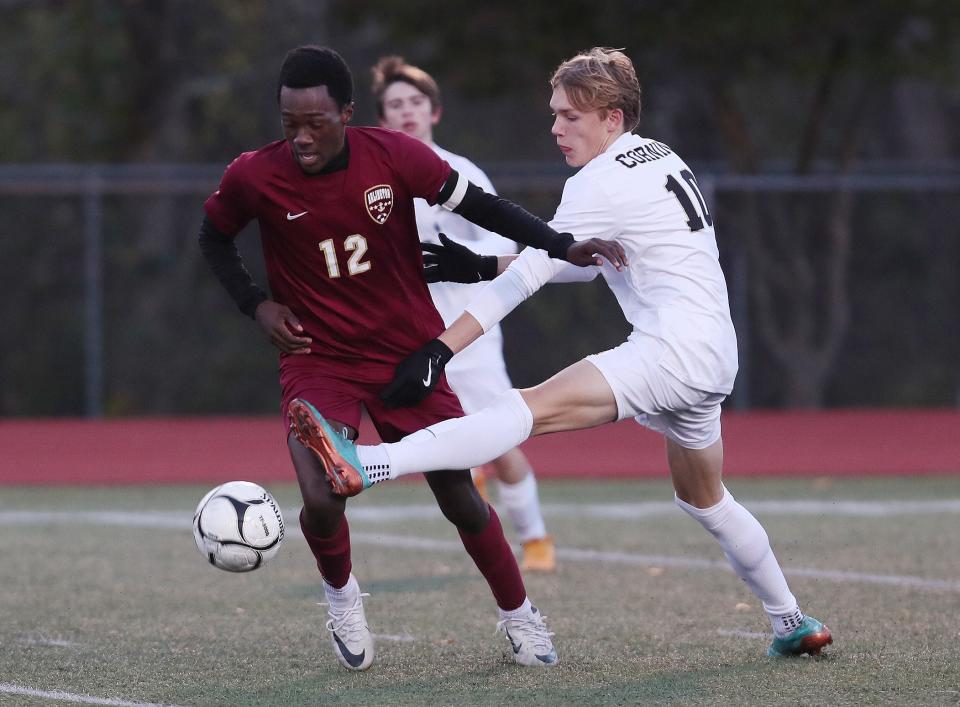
[[339, 399]]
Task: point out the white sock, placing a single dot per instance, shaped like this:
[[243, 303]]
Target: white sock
[[460, 443], [747, 547], [523, 507], [345, 597], [523, 610], [375, 462], [785, 624]]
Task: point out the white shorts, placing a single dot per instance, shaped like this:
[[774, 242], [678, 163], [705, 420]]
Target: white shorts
[[655, 397], [478, 374]]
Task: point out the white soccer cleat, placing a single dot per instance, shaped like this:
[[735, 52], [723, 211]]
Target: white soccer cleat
[[530, 639], [351, 637]]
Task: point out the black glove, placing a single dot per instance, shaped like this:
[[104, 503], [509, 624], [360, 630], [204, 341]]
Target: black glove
[[452, 262], [417, 375]]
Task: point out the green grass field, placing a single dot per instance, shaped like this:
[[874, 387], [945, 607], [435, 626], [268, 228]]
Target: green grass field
[[105, 597]]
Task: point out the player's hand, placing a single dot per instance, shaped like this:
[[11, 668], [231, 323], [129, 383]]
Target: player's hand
[[451, 262], [594, 251], [417, 375], [282, 327]]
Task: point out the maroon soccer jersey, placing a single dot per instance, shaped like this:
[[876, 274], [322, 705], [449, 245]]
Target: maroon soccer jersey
[[342, 249]]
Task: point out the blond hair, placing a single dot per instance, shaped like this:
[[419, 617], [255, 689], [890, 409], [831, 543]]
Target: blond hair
[[390, 69], [601, 79]]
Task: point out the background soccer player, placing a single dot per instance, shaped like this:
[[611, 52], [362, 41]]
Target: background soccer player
[[349, 300], [408, 99], [677, 365]]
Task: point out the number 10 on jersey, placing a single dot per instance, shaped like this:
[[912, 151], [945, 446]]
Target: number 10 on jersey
[[673, 185]]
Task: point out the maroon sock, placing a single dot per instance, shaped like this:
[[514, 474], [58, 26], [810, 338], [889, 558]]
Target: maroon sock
[[332, 553], [497, 563]]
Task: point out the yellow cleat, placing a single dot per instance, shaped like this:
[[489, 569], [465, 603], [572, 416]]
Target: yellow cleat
[[540, 555], [480, 481]]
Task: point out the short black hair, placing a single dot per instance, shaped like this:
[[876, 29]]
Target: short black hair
[[311, 65]]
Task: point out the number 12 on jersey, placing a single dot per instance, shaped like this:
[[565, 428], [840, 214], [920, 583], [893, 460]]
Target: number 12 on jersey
[[673, 185], [355, 265]]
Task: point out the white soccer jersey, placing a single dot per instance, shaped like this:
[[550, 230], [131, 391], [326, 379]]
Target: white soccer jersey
[[480, 365], [450, 297], [641, 194]]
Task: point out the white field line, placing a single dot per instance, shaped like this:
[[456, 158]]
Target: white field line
[[641, 560], [398, 637], [615, 511], [863, 509], [61, 696], [180, 521], [743, 634], [142, 519], [39, 640], [648, 509]]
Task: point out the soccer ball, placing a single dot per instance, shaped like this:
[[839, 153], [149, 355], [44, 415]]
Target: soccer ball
[[238, 526]]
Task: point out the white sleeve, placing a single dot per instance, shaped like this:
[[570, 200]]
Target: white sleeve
[[568, 272], [528, 273], [584, 211]]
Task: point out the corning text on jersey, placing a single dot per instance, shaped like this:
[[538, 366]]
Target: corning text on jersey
[[643, 153]]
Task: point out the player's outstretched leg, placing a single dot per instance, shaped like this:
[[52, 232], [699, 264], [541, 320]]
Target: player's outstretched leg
[[528, 635], [747, 547], [337, 454], [810, 637], [351, 637]]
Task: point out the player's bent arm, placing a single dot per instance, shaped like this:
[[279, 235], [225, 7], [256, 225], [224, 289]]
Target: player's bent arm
[[416, 375], [567, 272], [463, 332], [587, 212], [504, 293], [504, 262], [221, 254], [528, 272], [277, 320], [450, 261], [564, 272], [496, 214]]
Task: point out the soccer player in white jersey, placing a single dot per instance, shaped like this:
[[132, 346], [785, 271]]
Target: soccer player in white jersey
[[677, 365], [408, 99]]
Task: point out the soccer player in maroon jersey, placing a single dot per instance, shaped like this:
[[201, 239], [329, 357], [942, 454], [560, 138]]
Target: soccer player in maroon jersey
[[349, 301]]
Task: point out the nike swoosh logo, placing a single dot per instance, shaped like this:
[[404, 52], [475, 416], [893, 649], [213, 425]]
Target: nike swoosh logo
[[294, 217], [351, 658], [426, 381], [516, 648]]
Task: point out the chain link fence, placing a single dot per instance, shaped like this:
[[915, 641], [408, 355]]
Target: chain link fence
[[843, 290]]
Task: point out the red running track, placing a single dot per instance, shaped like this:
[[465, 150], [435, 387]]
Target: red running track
[[216, 449]]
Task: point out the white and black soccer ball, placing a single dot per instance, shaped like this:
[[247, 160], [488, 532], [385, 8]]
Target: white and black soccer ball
[[238, 526]]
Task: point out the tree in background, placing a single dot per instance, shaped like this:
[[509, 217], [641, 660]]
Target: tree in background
[[100, 81], [796, 82], [798, 87]]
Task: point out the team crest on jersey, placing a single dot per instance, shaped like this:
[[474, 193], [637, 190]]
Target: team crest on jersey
[[379, 202]]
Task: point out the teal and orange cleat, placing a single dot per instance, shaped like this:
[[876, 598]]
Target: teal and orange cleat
[[810, 638], [335, 452]]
